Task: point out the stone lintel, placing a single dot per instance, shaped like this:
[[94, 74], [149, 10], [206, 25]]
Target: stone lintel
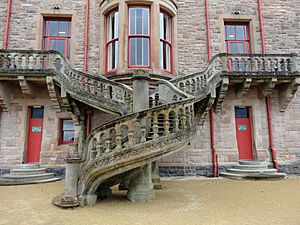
[[287, 92], [222, 93], [242, 89], [26, 87]]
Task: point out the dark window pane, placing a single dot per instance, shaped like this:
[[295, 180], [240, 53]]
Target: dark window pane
[[232, 48], [132, 51], [132, 20], [240, 35], [241, 113], [68, 136], [139, 51], [68, 125], [247, 50], [37, 113], [145, 51], [63, 28], [241, 48], [52, 45], [53, 28], [61, 46], [145, 21], [230, 32], [139, 20]]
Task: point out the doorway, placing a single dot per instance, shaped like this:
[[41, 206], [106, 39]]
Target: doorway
[[244, 132], [35, 133]]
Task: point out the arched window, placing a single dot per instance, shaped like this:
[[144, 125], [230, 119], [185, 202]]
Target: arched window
[[112, 40], [165, 42], [139, 37]]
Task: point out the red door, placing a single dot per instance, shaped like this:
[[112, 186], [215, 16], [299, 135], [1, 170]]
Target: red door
[[35, 133], [243, 133]]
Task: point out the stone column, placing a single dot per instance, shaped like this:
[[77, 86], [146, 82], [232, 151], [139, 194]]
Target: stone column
[[69, 198], [141, 187], [140, 90]]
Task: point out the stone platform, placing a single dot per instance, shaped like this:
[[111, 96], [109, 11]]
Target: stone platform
[[27, 174]]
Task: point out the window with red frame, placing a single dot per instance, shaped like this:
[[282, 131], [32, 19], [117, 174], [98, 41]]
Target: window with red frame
[[237, 38], [57, 35], [139, 37], [66, 131], [165, 42], [112, 40]]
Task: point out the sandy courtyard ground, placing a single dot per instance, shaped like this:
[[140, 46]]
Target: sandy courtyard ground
[[184, 202]]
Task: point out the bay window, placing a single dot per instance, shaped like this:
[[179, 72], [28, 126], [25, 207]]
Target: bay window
[[165, 42], [139, 37], [112, 40]]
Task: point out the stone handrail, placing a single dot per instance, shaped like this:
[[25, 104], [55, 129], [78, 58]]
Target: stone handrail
[[93, 89], [239, 64]]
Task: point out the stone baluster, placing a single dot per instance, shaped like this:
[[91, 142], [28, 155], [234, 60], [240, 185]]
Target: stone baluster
[[118, 138], [166, 124], [294, 66], [130, 138], [93, 148], [155, 125], [176, 122], [184, 121], [19, 61], [107, 142], [143, 134]]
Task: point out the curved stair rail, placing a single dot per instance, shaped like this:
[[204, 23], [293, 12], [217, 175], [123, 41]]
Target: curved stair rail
[[97, 91], [143, 142]]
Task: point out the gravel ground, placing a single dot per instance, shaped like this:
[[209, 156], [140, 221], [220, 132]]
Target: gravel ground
[[181, 201]]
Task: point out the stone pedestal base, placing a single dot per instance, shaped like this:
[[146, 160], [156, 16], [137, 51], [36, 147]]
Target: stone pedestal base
[[155, 176], [141, 187], [65, 202]]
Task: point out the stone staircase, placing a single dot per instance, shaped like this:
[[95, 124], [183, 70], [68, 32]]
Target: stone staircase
[[27, 174], [124, 148], [248, 169]]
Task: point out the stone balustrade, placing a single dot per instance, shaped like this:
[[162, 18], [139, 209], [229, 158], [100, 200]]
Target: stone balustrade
[[53, 63], [111, 141], [237, 65]]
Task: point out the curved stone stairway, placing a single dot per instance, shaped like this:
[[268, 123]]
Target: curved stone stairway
[[124, 148], [96, 91]]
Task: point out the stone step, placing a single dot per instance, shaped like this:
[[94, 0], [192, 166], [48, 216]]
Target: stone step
[[250, 162], [251, 167], [25, 179], [29, 166], [15, 182], [26, 172], [243, 171], [271, 176]]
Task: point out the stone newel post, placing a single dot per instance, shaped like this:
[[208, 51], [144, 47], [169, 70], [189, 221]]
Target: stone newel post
[[140, 90], [140, 186]]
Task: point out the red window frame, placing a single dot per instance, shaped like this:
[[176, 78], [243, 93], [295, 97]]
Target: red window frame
[[61, 131], [244, 41], [130, 36], [108, 42], [47, 37], [169, 43]]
